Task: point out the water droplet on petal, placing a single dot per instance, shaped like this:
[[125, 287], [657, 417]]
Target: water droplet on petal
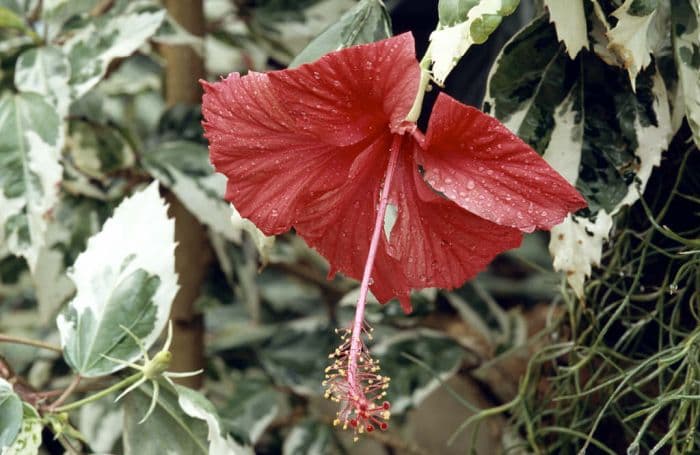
[[470, 184]]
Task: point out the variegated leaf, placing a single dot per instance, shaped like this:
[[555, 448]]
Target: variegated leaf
[[410, 382], [636, 34], [31, 138], [686, 41], [125, 278], [584, 118], [569, 18], [46, 71], [366, 22], [10, 415], [184, 168], [28, 439], [92, 48], [183, 422], [462, 24]]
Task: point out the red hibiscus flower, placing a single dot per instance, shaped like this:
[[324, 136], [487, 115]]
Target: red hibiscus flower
[[326, 147], [310, 147]]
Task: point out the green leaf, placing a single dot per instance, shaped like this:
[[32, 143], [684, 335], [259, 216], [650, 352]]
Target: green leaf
[[367, 22], [56, 12], [92, 48], [183, 422], [450, 41], [583, 116], [297, 354], [569, 18], [411, 383], [168, 430], [74, 220], [9, 19], [686, 44], [310, 437], [253, 406], [452, 12], [30, 144], [28, 440], [126, 277], [10, 415], [98, 150], [196, 405], [101, 423], [46, 71], [184, 168]]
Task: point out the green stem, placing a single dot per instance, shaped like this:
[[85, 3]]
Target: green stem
[[101, 394], [415, 111]]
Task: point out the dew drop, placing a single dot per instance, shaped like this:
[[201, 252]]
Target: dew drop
[[470, 184]]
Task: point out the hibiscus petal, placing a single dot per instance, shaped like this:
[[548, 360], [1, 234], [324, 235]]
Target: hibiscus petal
[[479, 164], [437, 243], [340, 227], [286, 138], [350, 94]]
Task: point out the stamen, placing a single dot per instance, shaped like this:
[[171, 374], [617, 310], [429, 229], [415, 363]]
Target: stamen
[[353, 378]]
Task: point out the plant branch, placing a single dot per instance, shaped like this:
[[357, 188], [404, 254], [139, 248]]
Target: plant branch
[[66, 393], [29, 342]]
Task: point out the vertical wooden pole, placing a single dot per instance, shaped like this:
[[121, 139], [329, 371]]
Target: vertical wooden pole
[[184, 68]]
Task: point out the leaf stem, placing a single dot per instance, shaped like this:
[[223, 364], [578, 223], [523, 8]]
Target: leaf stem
[[66, 393], [29, 342], [101, 394], [356, 341], [425, 78]]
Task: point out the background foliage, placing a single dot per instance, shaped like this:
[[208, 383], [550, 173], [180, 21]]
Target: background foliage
[[546, 361]]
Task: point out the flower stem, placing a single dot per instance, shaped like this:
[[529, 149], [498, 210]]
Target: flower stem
[[29, 342], [415, 111], [101, 394], [356, 339]]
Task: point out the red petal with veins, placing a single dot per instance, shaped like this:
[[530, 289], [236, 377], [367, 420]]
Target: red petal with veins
[[308, 148], [285, 138], [438, 243], [479, 164], [340, 227]]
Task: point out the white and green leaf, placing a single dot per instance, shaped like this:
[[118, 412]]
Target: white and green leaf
[[125, 278], [92, 48], [184, 168], [411, 383], [635, 36], [183, 421], [97, 150], [11, 415], [686, 43], [46, 71], [251, 408], [587, 122], [366, 22], [463, 23], [28, 440], [195, 405], [31, 138], [56, 12], [569, 18], [308, 438]]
